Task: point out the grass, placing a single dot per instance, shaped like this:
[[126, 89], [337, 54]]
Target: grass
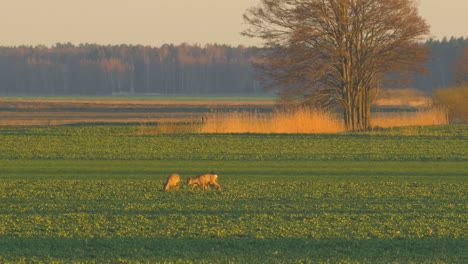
[[268, 212], [446, 143], [93, 194], [244, 171], [199, 250]]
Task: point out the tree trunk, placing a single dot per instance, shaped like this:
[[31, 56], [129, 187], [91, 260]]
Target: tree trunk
[[357, 111], [364, 110]]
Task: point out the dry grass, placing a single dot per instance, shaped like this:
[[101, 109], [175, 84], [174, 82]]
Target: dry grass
[[306, 120], [423, 117], [302, 120]]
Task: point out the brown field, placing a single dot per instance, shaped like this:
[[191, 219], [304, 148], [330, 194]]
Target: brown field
[[200, 116], [60, 112], [56, 103], [63, 118]]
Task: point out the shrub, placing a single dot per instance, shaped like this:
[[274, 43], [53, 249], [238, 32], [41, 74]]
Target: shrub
[[455, 99]]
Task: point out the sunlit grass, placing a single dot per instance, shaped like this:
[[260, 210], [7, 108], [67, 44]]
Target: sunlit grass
[[309, 120], [422, 117], [301, 120]]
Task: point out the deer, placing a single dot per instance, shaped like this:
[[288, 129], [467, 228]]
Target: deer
[[173, 180], [204, 180]]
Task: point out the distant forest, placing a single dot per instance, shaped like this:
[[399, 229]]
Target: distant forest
[[90, 69]]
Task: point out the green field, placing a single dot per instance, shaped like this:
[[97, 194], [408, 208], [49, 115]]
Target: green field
[[93, 195], [444, 143]]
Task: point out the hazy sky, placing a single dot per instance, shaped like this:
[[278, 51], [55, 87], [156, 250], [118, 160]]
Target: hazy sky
[[155, 22]]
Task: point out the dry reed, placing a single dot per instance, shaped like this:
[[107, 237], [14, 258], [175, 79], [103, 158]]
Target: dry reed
[[422, 117], [305, 120], [301, 120]]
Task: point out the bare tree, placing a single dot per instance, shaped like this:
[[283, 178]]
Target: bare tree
[[337, 51]]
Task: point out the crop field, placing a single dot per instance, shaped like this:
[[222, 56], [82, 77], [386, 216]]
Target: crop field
[[440, 143], [59, 111], [93, 194]]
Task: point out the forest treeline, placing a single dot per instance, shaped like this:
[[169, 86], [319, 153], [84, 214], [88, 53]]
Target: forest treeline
[[91, 69]]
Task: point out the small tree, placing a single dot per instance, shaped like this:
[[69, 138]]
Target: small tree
[[337, 51]]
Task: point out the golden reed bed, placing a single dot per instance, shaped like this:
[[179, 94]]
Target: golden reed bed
[[306, 120]]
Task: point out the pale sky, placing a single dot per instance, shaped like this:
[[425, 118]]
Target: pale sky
[[155, 22]]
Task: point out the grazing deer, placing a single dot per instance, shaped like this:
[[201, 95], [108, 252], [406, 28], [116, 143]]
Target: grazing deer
[[204, 180], [173, 180]]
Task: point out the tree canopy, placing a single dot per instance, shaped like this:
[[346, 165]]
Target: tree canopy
[[337, 51]]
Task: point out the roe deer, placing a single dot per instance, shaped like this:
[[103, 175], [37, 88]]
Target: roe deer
[[204, 180], [173, 180]]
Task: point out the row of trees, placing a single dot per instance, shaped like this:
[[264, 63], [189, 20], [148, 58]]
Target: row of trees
[[447, 65], [89, 69]]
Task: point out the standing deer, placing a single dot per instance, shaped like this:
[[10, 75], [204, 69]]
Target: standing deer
[[204, 180], [173, 180]]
